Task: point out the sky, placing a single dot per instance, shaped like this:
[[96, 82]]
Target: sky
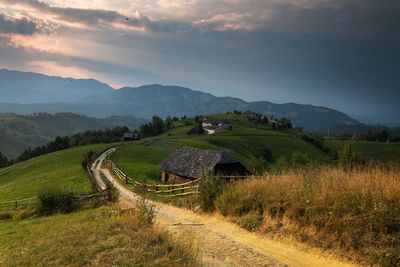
[[343, 54]]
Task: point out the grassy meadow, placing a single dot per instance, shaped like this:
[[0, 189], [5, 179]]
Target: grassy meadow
[[371, 151], [104, 236], [62, 169], [356, 212]]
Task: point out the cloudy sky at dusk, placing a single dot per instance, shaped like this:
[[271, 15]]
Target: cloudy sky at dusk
[[343, 54]]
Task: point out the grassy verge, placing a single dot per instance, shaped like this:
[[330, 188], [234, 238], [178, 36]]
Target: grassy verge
[[356, 212], [104, 236]]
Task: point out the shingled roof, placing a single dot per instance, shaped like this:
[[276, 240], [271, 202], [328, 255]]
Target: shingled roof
[[188, 161]]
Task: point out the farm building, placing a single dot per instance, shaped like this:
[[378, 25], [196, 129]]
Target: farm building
[[224, 128], [131, 137], [214, 122], [186, 163]]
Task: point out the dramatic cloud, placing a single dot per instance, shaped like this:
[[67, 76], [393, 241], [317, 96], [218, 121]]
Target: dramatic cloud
[[19, 26], [338, 53]]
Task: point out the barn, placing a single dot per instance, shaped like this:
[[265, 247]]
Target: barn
[[186, 163], [131, 137], [214, 122]]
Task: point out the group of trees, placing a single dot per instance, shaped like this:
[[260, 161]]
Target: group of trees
[[378, 136], [374, 136], [4, 162], [157, 126]]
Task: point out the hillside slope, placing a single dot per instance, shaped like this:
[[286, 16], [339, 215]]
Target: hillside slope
[[20, 132]]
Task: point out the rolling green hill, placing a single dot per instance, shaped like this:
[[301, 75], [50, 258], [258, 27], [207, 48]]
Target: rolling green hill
[[61, 168], [20, 132], [140, 158], [244, 141]]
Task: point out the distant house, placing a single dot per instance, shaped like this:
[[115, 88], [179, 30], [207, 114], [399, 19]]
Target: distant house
[[186, 163], [224, 128], [131, 137], [214, 122], [250, 113], [196, 130]]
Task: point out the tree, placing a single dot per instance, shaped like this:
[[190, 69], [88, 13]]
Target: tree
[[3, 161], [168, 122]]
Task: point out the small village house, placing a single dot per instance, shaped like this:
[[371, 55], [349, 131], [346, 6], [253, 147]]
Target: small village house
[[131, 136], [225, 127], [186, 163], [214, 122]]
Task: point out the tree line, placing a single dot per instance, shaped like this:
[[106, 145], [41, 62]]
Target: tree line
[[155, 127], [60, 143]]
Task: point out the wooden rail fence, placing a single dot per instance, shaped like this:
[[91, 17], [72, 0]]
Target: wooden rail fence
[[15, 205], [166, 190]]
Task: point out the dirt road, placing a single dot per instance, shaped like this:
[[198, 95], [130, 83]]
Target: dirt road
[[222, 243]]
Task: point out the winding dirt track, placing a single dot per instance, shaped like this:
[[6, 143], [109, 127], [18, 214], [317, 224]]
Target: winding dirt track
[[221, 243]]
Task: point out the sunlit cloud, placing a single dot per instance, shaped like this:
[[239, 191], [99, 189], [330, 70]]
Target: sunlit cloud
[[53, 68], [273, 48]]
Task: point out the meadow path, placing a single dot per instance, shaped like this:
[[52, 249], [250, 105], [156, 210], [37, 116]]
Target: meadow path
[[221, 243]]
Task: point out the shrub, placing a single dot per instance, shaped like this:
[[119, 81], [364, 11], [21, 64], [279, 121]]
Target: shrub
[[281, 164], [299, 159], [257, 166], [53, 199], [348, 157], [113, 192], [88, 158], [251, 221], [210, 186], [145, 210]]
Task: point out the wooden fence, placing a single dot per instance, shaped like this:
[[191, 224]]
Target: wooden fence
[[165, 190], [15, 205], [9, 207]]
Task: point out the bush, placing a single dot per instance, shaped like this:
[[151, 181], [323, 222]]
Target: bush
[[145, 210], [257, 166], [53, 199], [210, 187], [113, 192], [348, 157], [299, 159]]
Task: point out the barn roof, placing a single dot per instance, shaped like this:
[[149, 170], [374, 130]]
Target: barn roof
[[188, 161], [216, 120]]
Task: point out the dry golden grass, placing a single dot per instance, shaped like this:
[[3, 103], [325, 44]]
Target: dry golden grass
[[356, 211], [104, 236]]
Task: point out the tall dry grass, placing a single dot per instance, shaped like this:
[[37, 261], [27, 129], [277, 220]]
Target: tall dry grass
[[356, 211]]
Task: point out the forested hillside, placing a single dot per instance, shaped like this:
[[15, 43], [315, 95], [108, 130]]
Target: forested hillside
[[19, 132]]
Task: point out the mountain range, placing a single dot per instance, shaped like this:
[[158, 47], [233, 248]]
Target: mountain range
[[26, 93]]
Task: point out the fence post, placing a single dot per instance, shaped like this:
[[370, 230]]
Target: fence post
[[16, 205], [126, 178]]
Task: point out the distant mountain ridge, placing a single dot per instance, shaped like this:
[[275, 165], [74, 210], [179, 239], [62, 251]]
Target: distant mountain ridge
[[18, 132], [29, 87], [97, 99]]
